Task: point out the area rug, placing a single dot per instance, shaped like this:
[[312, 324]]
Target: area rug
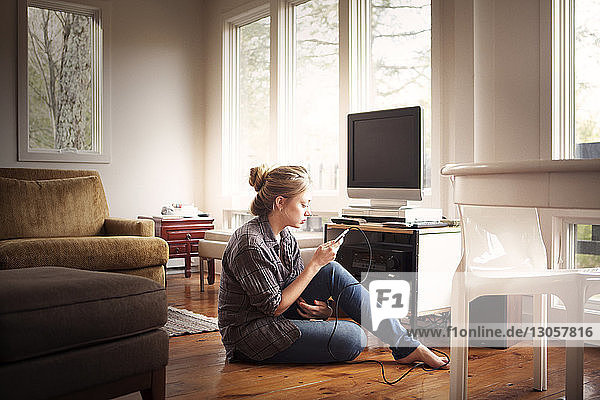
[[185, 322]]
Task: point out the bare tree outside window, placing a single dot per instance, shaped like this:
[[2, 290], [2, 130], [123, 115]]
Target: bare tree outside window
[[61, 83], [400, 69], [59, 80]]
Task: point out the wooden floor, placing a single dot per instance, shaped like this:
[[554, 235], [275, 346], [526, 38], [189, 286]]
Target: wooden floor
[[197, 368]]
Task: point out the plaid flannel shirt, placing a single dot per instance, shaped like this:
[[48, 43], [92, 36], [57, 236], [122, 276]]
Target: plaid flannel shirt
[[255, 271]]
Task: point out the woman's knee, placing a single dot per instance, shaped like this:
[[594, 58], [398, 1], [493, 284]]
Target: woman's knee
[[339, 274], [348, 341], [334, 265], [334, 268]]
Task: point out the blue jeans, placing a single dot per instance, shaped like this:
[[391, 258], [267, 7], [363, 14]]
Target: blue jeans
[[349, 339]]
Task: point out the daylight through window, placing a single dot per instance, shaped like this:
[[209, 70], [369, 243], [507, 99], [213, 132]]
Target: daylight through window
[[400, 62], [587, 80], [252, 136], [315, 128]]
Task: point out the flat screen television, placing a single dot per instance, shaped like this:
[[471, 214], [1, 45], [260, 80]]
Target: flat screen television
[[385, 155]]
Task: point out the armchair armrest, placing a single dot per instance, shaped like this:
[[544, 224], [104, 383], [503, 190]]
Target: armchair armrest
[[128, 227]]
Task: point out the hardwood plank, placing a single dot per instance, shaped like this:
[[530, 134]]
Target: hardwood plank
[[197, 368]]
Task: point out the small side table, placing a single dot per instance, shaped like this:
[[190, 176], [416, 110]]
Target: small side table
[[182, 235]]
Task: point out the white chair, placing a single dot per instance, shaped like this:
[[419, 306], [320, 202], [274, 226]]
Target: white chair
[[503, 254]]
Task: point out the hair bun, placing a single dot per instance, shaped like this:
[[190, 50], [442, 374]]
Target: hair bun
[[258, 176]]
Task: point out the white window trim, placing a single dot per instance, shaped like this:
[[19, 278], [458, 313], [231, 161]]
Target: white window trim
[[359, 55], [282, 75], [563, 79], [100, 11], [232, 21]]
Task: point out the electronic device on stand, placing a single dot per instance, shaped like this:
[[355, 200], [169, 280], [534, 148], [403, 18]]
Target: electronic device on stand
[[431, 255], [385, 164]]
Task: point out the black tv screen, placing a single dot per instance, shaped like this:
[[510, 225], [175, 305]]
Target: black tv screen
[[384, 149]]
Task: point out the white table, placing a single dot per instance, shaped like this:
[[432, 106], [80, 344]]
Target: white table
[[571, 185]]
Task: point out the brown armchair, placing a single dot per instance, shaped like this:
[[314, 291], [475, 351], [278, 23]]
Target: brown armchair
[[52, 217]]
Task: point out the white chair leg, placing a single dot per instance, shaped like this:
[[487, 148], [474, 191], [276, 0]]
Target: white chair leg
[[574, 351], [540, 345], [459, 346]]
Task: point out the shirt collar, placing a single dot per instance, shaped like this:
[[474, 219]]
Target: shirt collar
[[268, 234]]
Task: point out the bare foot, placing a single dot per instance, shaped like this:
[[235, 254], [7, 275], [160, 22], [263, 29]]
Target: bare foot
[[423, 354]]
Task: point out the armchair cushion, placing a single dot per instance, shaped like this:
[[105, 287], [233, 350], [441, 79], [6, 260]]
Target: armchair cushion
[[126, 227], [51, 208], [100, 253]]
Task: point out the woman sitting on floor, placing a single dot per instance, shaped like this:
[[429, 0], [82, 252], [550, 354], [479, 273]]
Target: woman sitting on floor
[[273, 308]]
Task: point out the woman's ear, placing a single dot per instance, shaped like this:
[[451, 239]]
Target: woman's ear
[[279, 200]]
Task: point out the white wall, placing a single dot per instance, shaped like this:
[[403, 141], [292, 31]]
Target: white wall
[[496, 83], [512, 80], [157, 104]]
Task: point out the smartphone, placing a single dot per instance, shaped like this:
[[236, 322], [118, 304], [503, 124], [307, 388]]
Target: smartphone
[[341, 236]]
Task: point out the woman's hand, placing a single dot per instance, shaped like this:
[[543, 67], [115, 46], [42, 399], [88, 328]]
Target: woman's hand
[[319, 311], [324, 254]]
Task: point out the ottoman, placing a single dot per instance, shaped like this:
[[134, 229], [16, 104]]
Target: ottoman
[[69, 333]]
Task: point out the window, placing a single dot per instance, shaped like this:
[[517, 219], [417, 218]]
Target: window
[[391, 63], [576, 83], [306, 115], [576, 244], [315, 127], [587, 245], [587, 81], [253, 78], [587, 251], [61, 83], [400, 61], [246, 116], [318, 74]]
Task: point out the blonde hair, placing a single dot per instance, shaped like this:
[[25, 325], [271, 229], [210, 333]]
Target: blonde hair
[[286, 181]]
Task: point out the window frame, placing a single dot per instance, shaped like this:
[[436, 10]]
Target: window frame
[[563, 80], [232, 22], [101, 139], [353, 73], [564, 141]]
